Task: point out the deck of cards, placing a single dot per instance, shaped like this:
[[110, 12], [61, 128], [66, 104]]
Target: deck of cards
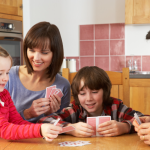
[[137, 119], [95, 121], [53, 90], [74, 144]]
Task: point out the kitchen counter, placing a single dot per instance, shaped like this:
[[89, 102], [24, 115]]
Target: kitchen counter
[[139, 75]]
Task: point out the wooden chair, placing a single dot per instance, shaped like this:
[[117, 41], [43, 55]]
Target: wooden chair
[[120, 83]]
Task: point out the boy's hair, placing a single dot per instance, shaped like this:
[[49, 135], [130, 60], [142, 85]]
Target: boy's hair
[[43, 35], [94, 78], [4, 53]]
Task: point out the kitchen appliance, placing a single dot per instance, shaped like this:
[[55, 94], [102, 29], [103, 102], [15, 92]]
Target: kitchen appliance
[[11, 39]]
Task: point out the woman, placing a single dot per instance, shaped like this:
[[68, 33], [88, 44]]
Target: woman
[[43, 54]]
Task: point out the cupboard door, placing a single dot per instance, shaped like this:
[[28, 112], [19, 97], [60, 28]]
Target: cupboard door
[[140, 99], [137, 11], [11, 9]]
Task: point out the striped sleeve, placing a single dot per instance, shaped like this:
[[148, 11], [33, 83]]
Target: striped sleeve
[[67, 115]]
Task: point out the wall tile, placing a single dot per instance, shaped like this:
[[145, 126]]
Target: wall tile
[[102, 47], [86, 48], [86, 61], [117, 47], [102, 62], [132, 58], [102, 31], [145, 63], [77, 61], [117, 31], [117, 63], [86, 32]]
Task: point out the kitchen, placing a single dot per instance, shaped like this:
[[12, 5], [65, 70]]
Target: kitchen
[[99, 34], [86, 31]]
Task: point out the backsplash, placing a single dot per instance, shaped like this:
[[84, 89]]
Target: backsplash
[[103, 45]]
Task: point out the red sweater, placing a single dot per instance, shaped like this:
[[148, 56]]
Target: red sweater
[[12, 125]]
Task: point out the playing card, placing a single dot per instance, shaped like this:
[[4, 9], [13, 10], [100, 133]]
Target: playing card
[[95, 121], [67, 129], [103, 119], [57, 92], [48, 90], [74, 144], [92, 121], [137, 118]]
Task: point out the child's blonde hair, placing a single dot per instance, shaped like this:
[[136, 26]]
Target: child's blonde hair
[[4, 53]]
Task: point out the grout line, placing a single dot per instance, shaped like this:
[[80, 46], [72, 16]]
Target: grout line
[[141, 63], [94, 45], [109, 48]]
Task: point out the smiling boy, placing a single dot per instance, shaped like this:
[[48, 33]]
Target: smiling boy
[[91, 91]]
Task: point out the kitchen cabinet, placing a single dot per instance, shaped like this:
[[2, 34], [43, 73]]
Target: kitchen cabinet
[[137, 11], [11, 9], [140, 95]]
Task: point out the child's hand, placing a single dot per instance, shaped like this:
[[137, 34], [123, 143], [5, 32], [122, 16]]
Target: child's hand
[[113, 128], [144, 132], [82, 130], [49, 131], [143, 119]]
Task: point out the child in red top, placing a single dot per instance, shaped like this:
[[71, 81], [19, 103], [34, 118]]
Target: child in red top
[[12, 126]]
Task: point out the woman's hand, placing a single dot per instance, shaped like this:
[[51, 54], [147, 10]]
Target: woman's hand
[[49, 131], [55, 102], [38, 107], [82, 130], [113, 128]]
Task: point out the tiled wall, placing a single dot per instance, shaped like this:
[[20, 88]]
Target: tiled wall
[[103, 45]]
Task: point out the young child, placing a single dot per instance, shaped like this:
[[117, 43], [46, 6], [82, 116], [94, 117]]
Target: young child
[[91, 90], [12, 126]]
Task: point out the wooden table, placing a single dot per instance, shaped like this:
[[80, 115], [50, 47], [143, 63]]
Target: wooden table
[[123, 142]]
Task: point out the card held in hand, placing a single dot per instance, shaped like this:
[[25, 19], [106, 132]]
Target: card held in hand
[[95, 121], [137, 119]]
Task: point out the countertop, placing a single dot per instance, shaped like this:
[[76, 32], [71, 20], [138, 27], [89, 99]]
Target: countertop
[[139, 74]]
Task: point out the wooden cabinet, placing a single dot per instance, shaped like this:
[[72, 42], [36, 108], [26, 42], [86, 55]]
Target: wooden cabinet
[[140, 95], [11, 9], [137, 11]]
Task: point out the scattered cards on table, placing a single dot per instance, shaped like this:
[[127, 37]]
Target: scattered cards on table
[[95, 121], [75, 143], [53, 90], [137, 119]]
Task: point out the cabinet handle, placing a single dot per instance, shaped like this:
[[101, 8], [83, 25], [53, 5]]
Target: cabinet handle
[[21, 6]]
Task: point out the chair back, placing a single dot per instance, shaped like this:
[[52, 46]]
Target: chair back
[[119, 80]]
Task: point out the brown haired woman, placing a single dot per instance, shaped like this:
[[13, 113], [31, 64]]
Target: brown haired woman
[[43, 53]]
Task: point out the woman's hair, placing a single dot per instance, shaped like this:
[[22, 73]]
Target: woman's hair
[[94, 78], [43, 35], [4, 53]]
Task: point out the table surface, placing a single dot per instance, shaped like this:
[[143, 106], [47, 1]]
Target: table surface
[[123, 142]]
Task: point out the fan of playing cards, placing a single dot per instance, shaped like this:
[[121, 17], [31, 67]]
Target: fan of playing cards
[[53, 90], [74, 144]]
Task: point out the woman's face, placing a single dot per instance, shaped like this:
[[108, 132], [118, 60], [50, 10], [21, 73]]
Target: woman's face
[[40, 59]]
